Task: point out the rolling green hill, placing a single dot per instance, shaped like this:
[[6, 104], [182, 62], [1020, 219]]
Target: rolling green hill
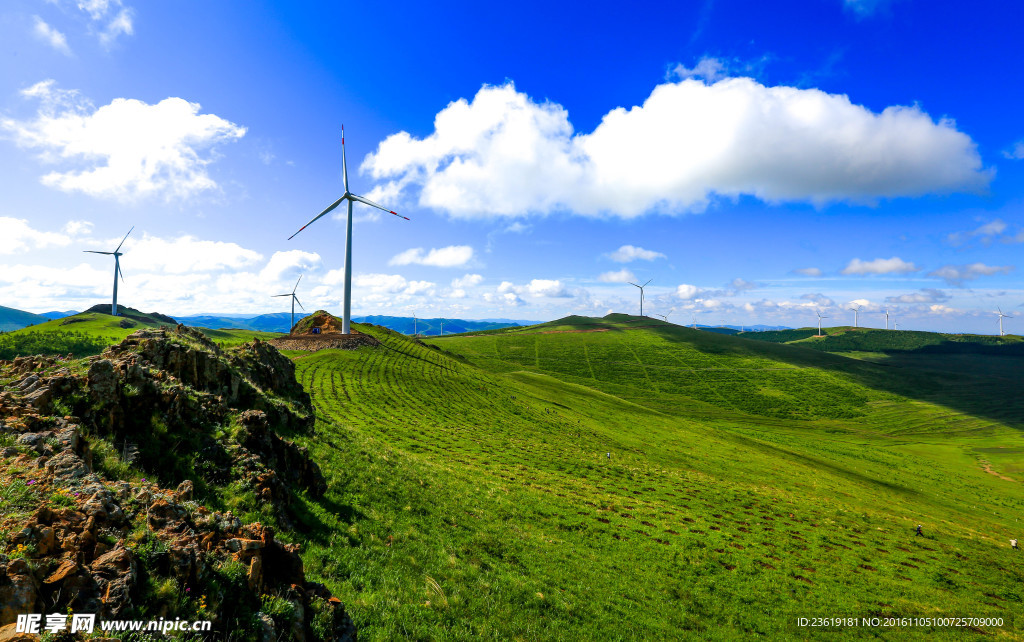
[[626, 478], [11, 319], [849, 339], [622, 478]]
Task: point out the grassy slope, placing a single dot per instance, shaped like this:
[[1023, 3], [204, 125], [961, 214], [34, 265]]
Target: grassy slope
[[477, 496]]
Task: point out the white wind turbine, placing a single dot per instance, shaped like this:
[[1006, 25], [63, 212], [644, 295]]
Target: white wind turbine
[[117, 268], [887, 318], [641, 294], [1001, 317], [820, 317], [295, 300], [350, 197], [856, 311]]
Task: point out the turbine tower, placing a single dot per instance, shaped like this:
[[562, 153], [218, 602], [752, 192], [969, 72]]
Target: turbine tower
[[1001, 317], [641, 294], [295, 300], [856, 311], [887, 318], [350, 197], [820, 317], [117, 268]]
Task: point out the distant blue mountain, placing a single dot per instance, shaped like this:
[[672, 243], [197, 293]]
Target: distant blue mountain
[[11, 319], [281, 322], [59, 315]]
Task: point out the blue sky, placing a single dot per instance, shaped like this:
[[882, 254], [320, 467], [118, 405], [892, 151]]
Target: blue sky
[[757, 161]]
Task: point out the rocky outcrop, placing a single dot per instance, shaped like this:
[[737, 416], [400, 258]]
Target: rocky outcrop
[[94, 544]]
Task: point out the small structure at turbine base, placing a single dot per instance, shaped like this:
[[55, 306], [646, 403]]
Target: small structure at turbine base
[[319, 331]]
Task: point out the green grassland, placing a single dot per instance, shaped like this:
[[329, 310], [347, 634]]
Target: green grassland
[[623, 478], [89, 333], [629, 479]]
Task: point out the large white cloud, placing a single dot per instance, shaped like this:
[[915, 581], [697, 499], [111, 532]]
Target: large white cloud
[[503, 154], [125, 150], [895, 265], [451, 256]]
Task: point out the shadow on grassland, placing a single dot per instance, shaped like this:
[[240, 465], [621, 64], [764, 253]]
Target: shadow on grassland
[[983, 383]]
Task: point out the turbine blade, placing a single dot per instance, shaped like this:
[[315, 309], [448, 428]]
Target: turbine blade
[[96, 252], [277, 295], [344, 162], [299, 302], [296, 284], [317, 217], [119, 271], [125, 238], [648, 281], [372, 204]]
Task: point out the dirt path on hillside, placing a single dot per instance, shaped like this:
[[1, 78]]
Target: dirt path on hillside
[[987, 467]]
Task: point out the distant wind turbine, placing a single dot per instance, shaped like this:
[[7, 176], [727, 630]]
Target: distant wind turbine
[[887, 318], [820, 317], [295, 300], [1001, 317], [350, 197], [117, 268], [663, 316], [856, 311], [641, 294]]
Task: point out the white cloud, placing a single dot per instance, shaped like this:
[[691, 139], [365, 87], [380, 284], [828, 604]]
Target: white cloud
[[187, 254], [986, 232], [379, 284], [125, 150], [77, 228], [957, 274], [16, 235], [451, 256], [895, 265], [121, 24], [110, 19], [467, 281], [504, 154], [51, 36], [289, 264], [545, 288], [707, 68], [938, 308], [811, 271], [741, 285], [818, 299], [628, 253], [1016, 152], [686, 291], [622, 276], [924, 295]]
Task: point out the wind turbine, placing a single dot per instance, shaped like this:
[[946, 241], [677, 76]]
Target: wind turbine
[[117, 268], [641, 294], [820, 317], [887, 318], [1001, 316], [856, 311], [295, 300], [663, 316], [694, 320], [351, 198]]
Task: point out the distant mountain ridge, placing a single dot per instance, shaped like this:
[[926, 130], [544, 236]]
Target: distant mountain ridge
[[12, 319]]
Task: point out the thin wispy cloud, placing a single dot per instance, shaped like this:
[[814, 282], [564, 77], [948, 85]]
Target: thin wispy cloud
[[51, 36], [895, 265], [451, 256], [958, 274], [629, 253]]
